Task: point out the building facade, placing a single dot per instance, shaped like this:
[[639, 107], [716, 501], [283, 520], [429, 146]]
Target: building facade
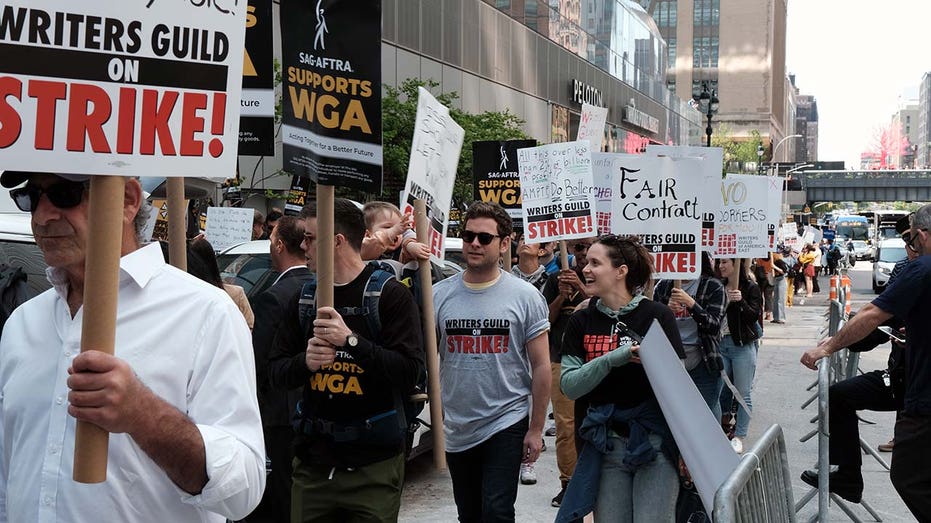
[[738, 48], [806, 124], [904, 124], [922, 159], [541, 59]]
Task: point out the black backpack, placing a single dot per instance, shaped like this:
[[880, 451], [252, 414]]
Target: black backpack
[[412, 403], [13, 291]]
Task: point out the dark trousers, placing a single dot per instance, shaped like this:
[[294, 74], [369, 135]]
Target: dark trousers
[[278, 484], [845, 398], [911, 464], [485, 476]]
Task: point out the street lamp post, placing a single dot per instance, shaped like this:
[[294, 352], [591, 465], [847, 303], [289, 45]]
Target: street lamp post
[[785, 187], [759, 155], [708, 104], [772, 160]]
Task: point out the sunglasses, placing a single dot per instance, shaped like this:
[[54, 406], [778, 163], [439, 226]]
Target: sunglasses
[[912, 239], [484, 238], [63, 195]]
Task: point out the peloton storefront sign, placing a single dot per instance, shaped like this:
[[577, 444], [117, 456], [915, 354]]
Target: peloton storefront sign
[[583, 93]]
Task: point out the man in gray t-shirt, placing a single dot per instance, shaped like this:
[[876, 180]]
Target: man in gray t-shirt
[[494, 370]]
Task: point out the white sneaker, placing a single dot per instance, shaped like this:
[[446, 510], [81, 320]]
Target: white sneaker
[[527, 474], [738, 445]]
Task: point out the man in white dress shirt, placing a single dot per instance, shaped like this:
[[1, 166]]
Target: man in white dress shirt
[[178, 396]]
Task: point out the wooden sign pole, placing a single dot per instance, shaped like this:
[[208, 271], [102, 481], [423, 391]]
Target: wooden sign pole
[[325, 235], [563, 254], [98, 330], [177, 238], [429, 339]]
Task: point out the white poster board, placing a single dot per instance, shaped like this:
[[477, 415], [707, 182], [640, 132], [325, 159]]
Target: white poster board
[[124, 88], [592, 125], [431, 173], [709, 202], [657, 198], [746, 224], [557, 191], [228, 226], [702, 443], [790, 239]]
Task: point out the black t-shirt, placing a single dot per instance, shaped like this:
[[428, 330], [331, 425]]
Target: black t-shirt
[[363, 381], [558, 327], [909, 298], [590, 333]]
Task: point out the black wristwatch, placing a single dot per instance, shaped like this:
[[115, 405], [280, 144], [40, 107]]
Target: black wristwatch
[[352, 341]]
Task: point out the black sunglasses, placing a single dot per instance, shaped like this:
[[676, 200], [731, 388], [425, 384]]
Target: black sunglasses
[[484, 238], [64, 195]]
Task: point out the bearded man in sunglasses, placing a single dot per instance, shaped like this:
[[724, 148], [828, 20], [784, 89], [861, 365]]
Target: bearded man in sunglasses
[[494, 370], [908, 298], [178, 396]]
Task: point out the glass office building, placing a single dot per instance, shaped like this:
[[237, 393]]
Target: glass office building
[[541, 59]]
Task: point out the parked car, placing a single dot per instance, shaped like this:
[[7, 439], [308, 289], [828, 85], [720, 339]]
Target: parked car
[[888, 254], [860, 250], [18, 249], [249, 265]]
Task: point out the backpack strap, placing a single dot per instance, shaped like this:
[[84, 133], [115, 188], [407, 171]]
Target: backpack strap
[[307, 305], [371, 297]]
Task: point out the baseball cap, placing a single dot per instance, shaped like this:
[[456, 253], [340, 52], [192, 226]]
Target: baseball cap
[[10, 179]]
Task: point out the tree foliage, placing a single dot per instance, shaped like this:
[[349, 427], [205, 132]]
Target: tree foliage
[[738, 152], [399, 111]]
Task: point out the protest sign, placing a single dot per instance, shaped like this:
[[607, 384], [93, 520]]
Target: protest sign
[[592, 125], [704, 447], [656, 198], [790, 237], [228, 226], [557, 191], [709, 201], [297, 195], [331, 107], [257, 106], [494, 170], [120, 88], [431, 173], [746, 225], [604, 165]]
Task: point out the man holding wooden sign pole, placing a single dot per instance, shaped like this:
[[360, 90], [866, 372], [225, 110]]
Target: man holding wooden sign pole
[[178, 395]]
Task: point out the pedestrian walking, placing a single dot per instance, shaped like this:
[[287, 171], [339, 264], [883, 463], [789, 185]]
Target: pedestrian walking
[[494, 370], [739, 346], [780, 288], [627, 465], [177, 396]]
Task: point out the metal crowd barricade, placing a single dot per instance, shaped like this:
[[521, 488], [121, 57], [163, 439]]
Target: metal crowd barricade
[[840, 366], [760, 488]]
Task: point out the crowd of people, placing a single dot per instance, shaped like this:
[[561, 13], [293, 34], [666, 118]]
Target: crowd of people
[[202, 387]]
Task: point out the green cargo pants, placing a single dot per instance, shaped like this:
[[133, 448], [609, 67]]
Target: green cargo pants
[[364, 494]]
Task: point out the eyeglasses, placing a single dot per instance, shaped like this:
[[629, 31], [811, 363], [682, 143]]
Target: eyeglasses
[[484, 238], [63, 195], [912, 239]]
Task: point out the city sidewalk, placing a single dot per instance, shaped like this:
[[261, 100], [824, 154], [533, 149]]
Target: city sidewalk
[[779, 391]]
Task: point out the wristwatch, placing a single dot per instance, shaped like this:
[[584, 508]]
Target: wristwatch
[[352, 341]]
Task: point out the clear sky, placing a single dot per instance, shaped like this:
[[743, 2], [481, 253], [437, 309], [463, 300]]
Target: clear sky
[[857, 58]]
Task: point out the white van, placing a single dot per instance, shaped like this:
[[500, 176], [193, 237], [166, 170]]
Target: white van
[[888, 253]]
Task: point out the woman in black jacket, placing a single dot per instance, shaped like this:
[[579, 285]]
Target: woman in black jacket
[[739, 338]]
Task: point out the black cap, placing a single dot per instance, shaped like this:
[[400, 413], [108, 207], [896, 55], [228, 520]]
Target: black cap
[[10, 179]]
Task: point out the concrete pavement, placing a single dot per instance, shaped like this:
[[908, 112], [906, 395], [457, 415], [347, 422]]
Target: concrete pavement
[[779, 391]]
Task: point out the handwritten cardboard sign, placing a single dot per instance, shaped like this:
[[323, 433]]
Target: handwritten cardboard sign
[[557, 191], [709, 202], [657, 199], [228, 226], [746, 225], [431, 173]]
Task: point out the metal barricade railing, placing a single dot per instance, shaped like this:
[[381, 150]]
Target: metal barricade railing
[[840, 366], [759, 489]]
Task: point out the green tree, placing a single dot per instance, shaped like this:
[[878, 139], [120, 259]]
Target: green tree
[[399, 111], [738, 152]]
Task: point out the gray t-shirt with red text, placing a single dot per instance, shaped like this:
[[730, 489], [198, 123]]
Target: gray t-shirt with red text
[[484, 365]]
